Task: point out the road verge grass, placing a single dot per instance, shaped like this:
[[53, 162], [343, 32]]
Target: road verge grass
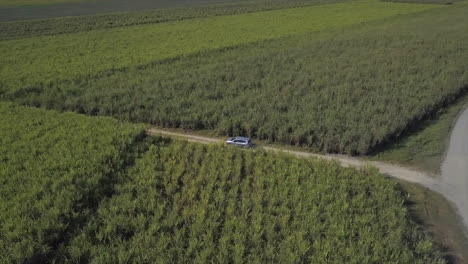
[[438, 217]]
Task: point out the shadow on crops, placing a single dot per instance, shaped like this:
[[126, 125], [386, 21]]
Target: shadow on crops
[[90, 203], [412, 206], [418, 124]]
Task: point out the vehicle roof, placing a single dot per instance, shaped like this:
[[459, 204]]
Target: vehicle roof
[[241, 138]]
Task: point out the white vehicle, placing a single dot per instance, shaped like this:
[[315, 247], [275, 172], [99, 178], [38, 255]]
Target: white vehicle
[[239, 141]]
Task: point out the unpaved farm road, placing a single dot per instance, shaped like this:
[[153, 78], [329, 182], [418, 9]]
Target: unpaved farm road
[[455, 167], [453, 184]]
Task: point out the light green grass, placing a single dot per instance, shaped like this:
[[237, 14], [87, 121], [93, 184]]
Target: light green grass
[[29, 61]]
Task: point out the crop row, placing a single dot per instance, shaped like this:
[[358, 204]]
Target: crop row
[[73, 24], [191, 203], [88, 189], [54, 169], [348, 93], [39, 60]]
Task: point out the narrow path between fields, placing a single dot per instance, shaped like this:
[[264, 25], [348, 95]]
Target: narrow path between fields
[[403, 173], [453, 185]]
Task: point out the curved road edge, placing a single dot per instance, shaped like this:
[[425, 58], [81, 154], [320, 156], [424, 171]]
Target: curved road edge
[[455, 167]]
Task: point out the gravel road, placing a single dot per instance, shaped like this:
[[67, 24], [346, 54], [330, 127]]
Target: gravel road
[[454, 179]]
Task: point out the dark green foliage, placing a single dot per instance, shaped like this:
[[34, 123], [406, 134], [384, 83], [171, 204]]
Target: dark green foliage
[[348, 92], [54, 169], [188, 203], [70, 24]]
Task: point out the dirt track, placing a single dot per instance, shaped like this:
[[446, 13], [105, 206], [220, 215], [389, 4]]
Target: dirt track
[[403, 173], [453, 184]]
